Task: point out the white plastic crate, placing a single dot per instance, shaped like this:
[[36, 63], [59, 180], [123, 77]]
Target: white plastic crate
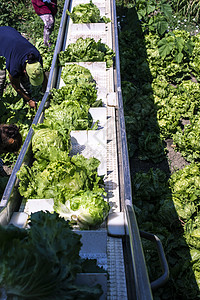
[[92, 143], [97, 31]]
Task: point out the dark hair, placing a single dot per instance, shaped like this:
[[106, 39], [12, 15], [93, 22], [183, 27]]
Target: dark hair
[[31, 58], [10, 138]]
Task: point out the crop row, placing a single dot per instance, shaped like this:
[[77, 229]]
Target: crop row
[[160, 80]]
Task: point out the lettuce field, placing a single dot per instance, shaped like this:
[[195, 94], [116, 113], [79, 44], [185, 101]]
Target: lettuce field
[[159, 51], [24, 19]]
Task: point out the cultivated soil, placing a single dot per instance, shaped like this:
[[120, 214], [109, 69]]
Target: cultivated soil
[[173, 162]]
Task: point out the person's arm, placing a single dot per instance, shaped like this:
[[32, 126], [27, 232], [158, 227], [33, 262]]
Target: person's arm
[[16, 85]]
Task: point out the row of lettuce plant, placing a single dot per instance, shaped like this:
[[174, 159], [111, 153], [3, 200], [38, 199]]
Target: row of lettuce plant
[[12, 107], [160, 81], [23, 18]]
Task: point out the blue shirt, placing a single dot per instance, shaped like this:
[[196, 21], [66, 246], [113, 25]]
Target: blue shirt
[[15, 48]]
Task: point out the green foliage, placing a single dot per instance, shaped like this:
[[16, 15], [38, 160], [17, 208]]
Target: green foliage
[[133, 58], [87, 209], [46, 261], [74, 185], [13, 17], [87, 50], [16, 112], [46, 53], [176, 45], [21, 16], [167, 66], [154, 15], [169, 208], [48, 144], [185, 187], [69, 115], [87, 13], [85, 93], [195, 59], [151, 147], [186, 8], [160, 87], [76, 74], [187, 141], [149, 186], [174, 103]]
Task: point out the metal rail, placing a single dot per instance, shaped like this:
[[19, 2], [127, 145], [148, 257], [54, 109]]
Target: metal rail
[[163, 262]]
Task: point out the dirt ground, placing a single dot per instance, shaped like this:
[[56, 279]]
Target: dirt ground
[[173, 162]]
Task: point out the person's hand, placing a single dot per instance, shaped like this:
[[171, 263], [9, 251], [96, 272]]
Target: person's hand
[[32, 103]]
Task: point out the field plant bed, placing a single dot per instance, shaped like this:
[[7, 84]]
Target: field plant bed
[[12, 108], [159, 52]]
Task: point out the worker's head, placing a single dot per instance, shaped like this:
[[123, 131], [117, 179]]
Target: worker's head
[[10, 138], [34, 70]]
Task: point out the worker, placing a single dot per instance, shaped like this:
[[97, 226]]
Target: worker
[[10, 141], [46, 10], [23, 62]]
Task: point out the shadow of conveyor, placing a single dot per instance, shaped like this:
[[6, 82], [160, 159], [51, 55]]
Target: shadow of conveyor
[[150, 168]]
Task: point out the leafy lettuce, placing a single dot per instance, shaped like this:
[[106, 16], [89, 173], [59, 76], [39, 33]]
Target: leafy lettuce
[[87, 13], [68, 115], [84, 93], [46, 261], [87, 209], [76, 74], [49, 144], [187, 141], [87, 50], [70, 181]]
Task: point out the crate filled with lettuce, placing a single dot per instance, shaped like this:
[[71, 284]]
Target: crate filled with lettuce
[[88, 13], [73, 182], [87, 50]]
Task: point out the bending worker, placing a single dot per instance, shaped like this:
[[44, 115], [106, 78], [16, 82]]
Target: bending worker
[[23, 62]]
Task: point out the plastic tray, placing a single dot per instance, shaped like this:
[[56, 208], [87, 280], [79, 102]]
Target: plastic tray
[[97, 31]]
